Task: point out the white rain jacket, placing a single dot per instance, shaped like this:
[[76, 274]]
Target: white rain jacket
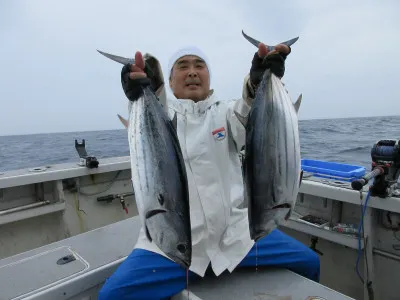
[[211, 137]]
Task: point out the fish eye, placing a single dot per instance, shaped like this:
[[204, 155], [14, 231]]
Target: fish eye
[[181, 248]]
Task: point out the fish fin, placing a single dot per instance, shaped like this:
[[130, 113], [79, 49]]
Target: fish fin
[[119, 59], [242, 119], [153, 212], [251, 40], [301, 178], [270, 48], [160, 199], [146, 230], [289, 213], [124, 121], [175, 121], [298, 103], [284, 205]]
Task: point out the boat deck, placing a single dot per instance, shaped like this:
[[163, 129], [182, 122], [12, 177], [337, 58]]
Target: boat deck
[[41, 273], [271, 284]]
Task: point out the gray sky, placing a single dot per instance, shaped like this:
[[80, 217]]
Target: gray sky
[[52, 78]]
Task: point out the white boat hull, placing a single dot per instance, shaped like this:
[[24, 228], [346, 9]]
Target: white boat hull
[[48, 214]]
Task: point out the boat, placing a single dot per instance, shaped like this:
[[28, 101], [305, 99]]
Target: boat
[[65, 228]]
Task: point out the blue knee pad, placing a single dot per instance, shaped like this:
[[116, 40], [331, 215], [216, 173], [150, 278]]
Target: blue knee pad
[[145, 275], [282, 251]]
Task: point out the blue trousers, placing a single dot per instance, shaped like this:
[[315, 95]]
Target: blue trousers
[[147, 275]]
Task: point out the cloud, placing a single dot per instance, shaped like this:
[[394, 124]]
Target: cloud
[[346, 60], [54, 80]]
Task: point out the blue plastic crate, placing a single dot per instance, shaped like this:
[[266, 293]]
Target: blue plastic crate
[[332, 170]]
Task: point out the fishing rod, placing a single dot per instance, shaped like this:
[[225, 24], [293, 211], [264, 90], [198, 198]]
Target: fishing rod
[[385, 169]]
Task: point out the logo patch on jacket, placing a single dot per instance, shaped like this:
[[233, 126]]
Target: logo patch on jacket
[[219, 134]]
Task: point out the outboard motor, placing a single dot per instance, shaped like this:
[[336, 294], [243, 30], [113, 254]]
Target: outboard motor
[[385, 169]]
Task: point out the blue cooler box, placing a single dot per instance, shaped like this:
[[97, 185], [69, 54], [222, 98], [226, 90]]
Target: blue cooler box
[[332, 170]]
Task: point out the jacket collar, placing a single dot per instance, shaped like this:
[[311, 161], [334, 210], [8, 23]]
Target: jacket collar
[[189, 106]]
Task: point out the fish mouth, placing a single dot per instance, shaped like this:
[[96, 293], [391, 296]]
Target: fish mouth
[[272, 218], [182, 258], [180, 261]]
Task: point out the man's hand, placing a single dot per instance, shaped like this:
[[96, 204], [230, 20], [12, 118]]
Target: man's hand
[[263, 60], [137, 70], [134, 78]]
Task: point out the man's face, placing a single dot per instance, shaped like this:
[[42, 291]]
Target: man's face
[[190, 78]]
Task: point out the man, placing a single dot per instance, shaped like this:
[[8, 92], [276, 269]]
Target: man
[[211, 137]]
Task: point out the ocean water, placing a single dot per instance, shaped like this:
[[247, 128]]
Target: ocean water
[[338, 140]]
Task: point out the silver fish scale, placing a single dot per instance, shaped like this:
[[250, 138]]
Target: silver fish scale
[[272, 158], [159, 178]]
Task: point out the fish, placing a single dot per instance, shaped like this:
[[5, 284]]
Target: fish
[[159, 177], [272, 162]]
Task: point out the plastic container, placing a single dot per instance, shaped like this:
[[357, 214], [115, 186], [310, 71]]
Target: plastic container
[[332, 170]]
